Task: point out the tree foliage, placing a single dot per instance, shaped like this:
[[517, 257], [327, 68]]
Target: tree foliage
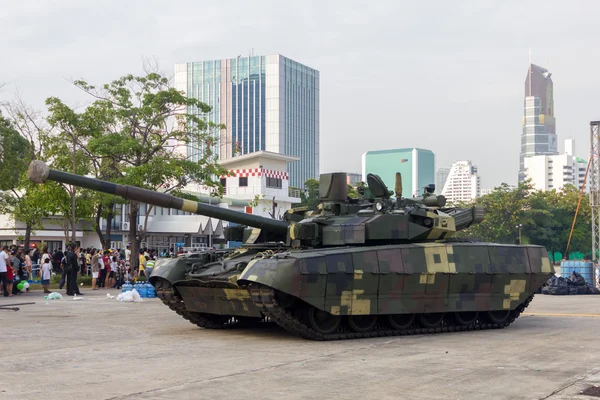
[[139, 130], [310, 195], [543, 218], [19, 143]]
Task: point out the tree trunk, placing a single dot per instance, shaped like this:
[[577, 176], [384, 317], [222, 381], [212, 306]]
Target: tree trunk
[[109, 219], [135, 240], [27, 236]]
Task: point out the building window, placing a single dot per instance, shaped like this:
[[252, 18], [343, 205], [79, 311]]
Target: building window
[[224, 182], [243, 181], [274, 183]]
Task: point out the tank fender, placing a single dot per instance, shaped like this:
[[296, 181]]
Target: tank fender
[[169, 269], [305, 279]]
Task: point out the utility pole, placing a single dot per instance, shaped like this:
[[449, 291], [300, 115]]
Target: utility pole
[[595, 187], [73, 189]]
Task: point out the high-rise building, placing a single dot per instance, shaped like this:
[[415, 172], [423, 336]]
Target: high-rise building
[[539, 126], [554, 172], [268, 103], [440, 178], [463, 182], [415, 165]]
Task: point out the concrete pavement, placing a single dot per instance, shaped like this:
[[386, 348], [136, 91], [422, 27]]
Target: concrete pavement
[[97, 348]]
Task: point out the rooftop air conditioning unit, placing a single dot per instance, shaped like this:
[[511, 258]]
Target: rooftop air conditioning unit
[[125, 226]]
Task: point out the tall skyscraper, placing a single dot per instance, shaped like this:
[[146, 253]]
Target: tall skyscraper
[[267, 103], [440, 179], [415, 165], [539, 127], [462, 183]]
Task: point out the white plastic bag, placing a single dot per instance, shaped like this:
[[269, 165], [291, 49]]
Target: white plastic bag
[[130, 296], [54, 296], [136, 296]]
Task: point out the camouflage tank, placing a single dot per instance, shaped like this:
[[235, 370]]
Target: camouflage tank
[[351, 268]]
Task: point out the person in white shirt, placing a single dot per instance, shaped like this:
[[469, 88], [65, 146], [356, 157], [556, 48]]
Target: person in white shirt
[[45, 272], [3, 269], [127, 253]]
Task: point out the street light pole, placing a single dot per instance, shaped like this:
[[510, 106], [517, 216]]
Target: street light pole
[[519, 226]]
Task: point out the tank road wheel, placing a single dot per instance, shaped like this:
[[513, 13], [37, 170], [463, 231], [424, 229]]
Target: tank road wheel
[[401, 321], [362, 323], [321, 321], [498, 316], [465, 318], [431, 320]]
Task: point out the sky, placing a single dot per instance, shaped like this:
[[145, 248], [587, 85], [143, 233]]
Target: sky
[[441, 75]]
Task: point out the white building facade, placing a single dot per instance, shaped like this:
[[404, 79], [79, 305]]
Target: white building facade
[[260, 180], [549, 172], [462, 183]]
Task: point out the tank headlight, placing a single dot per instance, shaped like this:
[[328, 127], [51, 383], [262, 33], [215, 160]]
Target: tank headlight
[[379, 206]]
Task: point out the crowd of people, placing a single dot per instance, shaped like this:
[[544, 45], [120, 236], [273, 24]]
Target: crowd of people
[[109, 268], [15, 266]]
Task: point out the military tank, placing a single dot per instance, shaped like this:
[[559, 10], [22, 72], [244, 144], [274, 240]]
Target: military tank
[[351, 268]]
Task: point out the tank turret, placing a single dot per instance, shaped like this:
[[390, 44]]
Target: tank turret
[[338, 220]]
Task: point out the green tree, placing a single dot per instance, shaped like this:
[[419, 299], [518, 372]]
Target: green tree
[[310, 196], [150, 129], [505, 209], [22, 200], [68, 146], [543, 217]]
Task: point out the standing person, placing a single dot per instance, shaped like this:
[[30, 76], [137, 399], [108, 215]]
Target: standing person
[[45, 272], [142, 262], [95, 268], [114, 271], [128, 254], [10, 273], [88, 261], [3, 270], [56, 259], [35, 256], [109, 274], [63, 271], [35, 259], [28, 263], [72, 267], [103, 262], [16, 269]]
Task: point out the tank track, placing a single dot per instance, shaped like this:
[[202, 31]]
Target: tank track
[[165, 292], [264, 297]]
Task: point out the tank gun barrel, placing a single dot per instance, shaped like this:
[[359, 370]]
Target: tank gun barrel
[[39, 172], [465, 218]]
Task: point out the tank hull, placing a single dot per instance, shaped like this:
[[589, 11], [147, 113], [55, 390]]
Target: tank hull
[[396, 289]]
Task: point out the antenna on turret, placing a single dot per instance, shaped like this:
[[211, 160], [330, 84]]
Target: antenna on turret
[[398, 188]]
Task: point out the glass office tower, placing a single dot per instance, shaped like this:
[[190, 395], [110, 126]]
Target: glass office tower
[[539, 126], [267, 103]]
